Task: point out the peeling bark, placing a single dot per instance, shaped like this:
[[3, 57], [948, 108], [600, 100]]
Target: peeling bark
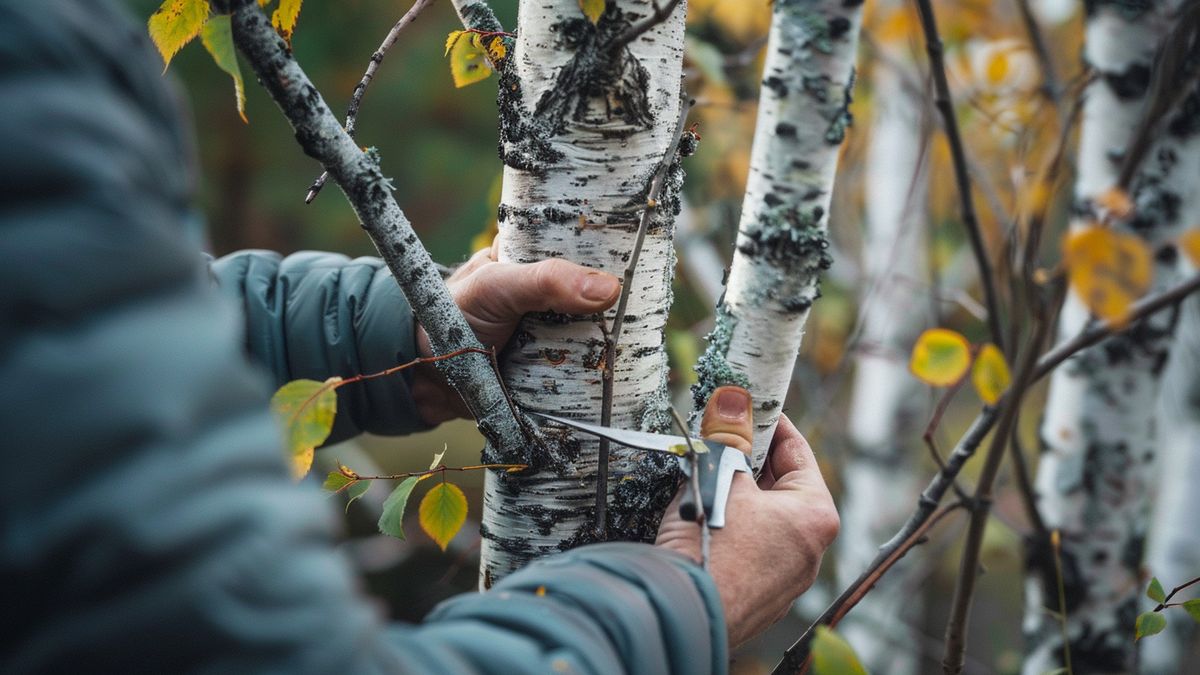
[[1099, 437], [781, 245], [584, 121]]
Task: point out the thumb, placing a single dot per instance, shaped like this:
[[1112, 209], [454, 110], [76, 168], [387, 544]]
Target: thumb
[[503, 292], [728, 419]]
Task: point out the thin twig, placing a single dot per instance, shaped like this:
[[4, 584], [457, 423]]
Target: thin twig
[[611, 337], [935, 421], [1162, 605], [1051, 88], [637, 30], [427, 472], [1056, 549], [967, 445], [968, 573], [694, 485], [945, 105], [361, 88]]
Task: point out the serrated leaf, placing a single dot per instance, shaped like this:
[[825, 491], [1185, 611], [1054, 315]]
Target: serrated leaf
[[305, 409], [284, 18], [1149, 623], [990, 374], [592, 9], [174, 24], [1192, 607], [1190, 243], [832, 655], [1155, 591], [468, 61], [217, 36], [940, 357], [354, 492], [442, 513], [451, 39], [391, 521], [336, 480], [1108, 270], [437, 459], [496, 48]]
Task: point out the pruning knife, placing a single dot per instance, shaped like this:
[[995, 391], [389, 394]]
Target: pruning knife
[[715, 464]]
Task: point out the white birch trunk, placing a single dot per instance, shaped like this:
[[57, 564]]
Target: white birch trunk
[[1097, 470], [888, 405], [583, 128], [1173, 552], [781, 243]]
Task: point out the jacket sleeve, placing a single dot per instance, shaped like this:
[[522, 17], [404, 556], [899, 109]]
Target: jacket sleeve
[[147, 523], [316, 315]]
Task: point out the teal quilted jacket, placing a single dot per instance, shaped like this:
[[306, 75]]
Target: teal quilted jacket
[[147, 523]]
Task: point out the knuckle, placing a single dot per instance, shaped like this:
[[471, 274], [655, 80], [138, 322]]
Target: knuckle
[[549, 275]]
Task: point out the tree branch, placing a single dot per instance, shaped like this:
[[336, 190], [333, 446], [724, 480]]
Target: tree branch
[[361, 88], [612, 336], [637, 30], [967, 445], [945, 105], [370, 194]]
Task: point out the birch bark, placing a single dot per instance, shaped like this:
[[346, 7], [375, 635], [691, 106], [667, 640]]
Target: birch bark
[[1099, 433], [584, 121], [1173, 551], [888, 404], [781, 244]]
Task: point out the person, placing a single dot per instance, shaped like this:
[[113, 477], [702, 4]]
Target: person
[[147, 519]]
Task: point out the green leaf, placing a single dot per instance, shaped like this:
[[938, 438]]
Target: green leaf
[[1149, 623], [175, 24], [355, 491], [217, 37], [1192, 607], [1155, 592], [305, 409], [284, 18], [832, 655], [391, 521], [336, 480], [592, 9], [443, 512]]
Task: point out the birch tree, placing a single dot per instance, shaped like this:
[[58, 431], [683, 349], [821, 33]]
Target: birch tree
[[781, 244], [1173, 550], [888, 404], [587, 111], [1099, 436]]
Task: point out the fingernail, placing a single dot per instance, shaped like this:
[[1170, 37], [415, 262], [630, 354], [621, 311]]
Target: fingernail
[[733, 404], [598, 286]]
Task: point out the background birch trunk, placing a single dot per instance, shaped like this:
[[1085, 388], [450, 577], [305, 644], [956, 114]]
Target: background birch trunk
[[888, 405], [584, 122], [781, 242], [1173, 552], [1099, 437]]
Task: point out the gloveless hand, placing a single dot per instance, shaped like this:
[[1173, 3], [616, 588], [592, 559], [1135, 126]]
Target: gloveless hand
[[775, 531], [494, 296]]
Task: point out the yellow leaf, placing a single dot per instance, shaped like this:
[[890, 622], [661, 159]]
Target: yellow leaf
[[452, 38], [1116, 201], [1108, 270], [592, 9], [217, 37], [1190, 243], [284, 18], [832, 655], [496, 48], [940, 357], [990, 374], [468, 61], [305, 409], [301, 463], [437, 458], [442, 513], [174, 24], [997, 67]]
